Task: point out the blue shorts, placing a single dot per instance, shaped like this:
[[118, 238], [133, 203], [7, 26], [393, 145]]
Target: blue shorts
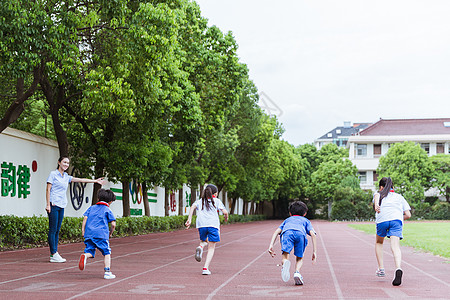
[[390, 228], [210, 233], [293, 239], [100, 244]]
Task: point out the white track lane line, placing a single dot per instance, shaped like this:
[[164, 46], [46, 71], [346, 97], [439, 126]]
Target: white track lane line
[[114, 258], [156, 268], [213, 293], [333, 275], [115, 246], [403, 261]]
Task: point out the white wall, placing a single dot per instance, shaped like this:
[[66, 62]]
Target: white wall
[[22, 149]]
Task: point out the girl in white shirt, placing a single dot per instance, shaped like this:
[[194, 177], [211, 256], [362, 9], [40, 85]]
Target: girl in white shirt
[[391, 209], [207, 223]]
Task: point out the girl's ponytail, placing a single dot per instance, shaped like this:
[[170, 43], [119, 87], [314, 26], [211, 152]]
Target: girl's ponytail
[[208, 193], [386, 183]]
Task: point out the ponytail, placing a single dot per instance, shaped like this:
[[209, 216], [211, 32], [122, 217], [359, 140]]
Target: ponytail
[[208, 193], [386, 183]]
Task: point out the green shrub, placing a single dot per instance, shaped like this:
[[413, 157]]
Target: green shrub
[[343, 210], [438, 211]]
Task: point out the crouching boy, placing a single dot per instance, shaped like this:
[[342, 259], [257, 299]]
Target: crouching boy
[[293, 233]]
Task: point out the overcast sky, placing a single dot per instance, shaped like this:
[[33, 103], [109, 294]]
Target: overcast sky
[[326, 62]]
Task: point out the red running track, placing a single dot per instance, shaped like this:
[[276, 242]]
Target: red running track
[[162, 266]]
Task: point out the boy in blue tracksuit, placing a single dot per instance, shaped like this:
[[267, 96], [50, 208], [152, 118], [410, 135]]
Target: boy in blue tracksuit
[[96, 230], [293, 233]]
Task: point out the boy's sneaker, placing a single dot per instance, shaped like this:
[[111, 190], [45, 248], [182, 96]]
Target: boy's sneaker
[[56, 258], [285, 275], [298, 278], [398, 277], [198, 253], [82, 262], [380, 273], [109, 275], [206, 271]]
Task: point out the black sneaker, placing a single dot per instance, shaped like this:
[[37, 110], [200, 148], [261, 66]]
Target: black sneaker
[[398, 277]]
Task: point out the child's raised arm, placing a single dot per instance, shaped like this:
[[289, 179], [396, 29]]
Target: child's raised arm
[[314, 242], [376, 202], [272, 241], [225, 214], [191, 212], [83, 226], [112, 228]]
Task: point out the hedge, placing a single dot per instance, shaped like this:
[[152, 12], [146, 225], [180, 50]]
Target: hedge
[[345, 210], [29, 232]]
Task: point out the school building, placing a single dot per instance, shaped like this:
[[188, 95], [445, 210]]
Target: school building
[[367, 143]]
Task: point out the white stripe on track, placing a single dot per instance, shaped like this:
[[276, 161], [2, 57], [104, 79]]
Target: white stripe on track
[[403, 261], [157, 268], [333, 275], [127, 244], [213, 293]]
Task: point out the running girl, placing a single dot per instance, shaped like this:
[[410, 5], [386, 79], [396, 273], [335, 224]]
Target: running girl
[[208, 223]]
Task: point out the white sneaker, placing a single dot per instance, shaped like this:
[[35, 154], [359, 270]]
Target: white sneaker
[[198, 253], [206, 272], [109, 275], [285, 275], [56, 258], [298, 278]]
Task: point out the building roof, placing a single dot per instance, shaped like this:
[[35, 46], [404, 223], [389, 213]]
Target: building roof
[[345, 131], [408, 127]]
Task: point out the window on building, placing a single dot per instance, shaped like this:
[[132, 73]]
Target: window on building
[[361, 150], [426, 147], [338, 131], [440, 148], [330, 135], [375, 178], [377, 150], [362, 177]]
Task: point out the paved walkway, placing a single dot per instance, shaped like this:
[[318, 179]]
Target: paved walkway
[[162, 266]]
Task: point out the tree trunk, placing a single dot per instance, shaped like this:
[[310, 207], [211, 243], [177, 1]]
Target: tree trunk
[[55, 100], [17, 106], [126, 198], [233, 204], [180, 202], [252, 208], [99, 167], [193, 195], [244, 208], [145, 199], [166, 201]]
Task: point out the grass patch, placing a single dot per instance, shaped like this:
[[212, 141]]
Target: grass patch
[[433, 237]]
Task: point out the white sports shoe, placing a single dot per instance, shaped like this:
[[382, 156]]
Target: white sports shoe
[[56, 258], [285, 275], [198, 253], [109, 275], [298, 278], [206, 272]]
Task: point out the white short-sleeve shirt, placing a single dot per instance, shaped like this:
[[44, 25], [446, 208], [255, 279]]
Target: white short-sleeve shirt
[[208, 217], [392, 208], [59, 187]]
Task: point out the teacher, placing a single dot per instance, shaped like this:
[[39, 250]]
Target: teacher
[[57, 184]]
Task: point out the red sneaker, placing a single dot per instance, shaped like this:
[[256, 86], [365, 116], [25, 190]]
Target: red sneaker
[[82, 262]]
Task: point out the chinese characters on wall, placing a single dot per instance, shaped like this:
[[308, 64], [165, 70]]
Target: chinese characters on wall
[[15, 180]]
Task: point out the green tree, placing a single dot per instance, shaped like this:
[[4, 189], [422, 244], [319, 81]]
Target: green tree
[[327, 179], [441, 174], [410, 169]]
